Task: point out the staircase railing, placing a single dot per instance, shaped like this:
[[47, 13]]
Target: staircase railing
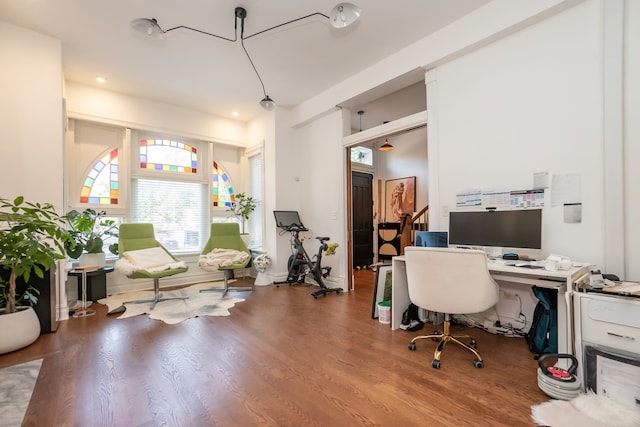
[[409, 224]]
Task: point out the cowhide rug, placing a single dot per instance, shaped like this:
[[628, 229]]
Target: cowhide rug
[[175, 311]]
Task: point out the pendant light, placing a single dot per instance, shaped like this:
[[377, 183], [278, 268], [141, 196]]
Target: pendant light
[[341, 16], [344, 14], [386, 146]]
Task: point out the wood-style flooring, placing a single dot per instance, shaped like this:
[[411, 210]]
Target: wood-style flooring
[[282, 358]]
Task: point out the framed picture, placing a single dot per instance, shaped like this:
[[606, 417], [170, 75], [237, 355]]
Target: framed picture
[[400, 198], [381, 288]]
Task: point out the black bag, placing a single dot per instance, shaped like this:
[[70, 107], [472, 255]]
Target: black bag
[[410, 319], [543, 336]]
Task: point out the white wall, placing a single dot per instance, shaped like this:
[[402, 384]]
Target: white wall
[[632, 140], [311, 171], [31, 113], [527, 103], [496, 19], [93, 104]]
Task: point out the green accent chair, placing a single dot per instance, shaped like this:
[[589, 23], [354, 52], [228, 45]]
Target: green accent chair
[[227, 236], [141, 236]]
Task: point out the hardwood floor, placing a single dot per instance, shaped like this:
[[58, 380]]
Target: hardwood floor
[[282, 358]]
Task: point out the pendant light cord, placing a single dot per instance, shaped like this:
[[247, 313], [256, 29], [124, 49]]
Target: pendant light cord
[[242, 16], [252, 64], [241, 13]]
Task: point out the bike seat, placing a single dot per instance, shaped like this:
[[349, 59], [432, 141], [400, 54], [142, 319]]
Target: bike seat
[[323, 239]]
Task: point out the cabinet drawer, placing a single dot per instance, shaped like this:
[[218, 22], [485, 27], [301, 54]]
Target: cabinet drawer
[[613, 323]]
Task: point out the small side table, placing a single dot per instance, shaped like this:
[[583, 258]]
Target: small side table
[[83, 276]]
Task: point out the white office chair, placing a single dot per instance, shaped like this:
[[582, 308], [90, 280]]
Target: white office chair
[[449, 281]]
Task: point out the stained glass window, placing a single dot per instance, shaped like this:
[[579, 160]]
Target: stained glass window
[[222, 193], [100, 187], [169, 156]]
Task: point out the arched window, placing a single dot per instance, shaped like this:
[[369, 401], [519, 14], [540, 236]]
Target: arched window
[[100, 187], [168, 192], [168, 156], [222, 193]]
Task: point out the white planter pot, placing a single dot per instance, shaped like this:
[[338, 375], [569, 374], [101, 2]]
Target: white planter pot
[[92, 259], [246, 238], [19, 329]]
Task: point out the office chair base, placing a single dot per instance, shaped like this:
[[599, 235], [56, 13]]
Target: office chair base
[[156, 298], [446, 337], [228, 274], [154, 301]]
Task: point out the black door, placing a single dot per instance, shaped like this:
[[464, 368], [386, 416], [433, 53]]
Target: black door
[[362, 199]]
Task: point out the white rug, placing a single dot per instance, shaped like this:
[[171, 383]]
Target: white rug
[[175, 311], [586, 410], [16, 386]]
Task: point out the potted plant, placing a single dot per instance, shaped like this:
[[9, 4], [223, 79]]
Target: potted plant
[[88, 230], [32, 239], [243, 207]]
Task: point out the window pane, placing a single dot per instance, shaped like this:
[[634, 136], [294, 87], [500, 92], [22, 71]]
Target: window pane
[[168, 156], [174, 209], [222, 191], [100, 186], [255, 220], [362, 155]]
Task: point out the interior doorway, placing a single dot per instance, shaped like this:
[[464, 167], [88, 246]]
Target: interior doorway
[[362, 214]]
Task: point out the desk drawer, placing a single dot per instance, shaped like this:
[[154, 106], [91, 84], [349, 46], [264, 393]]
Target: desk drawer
[[613, 323]]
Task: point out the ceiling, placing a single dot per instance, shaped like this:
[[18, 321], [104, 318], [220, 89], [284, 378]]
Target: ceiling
[[204, 73]]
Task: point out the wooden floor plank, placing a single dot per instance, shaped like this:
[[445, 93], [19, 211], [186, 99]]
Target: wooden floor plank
[[282, 358]]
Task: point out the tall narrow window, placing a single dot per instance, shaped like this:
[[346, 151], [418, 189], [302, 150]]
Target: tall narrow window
[[222, 191], [256, 218], [100, 186]]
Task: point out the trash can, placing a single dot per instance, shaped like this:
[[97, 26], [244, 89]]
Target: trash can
[[384, 312]]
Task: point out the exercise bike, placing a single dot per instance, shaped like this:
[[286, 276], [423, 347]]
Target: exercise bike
[[299, 263]]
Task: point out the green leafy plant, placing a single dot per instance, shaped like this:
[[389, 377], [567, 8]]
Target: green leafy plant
[[88, 230], [243, 207], [28, 297], [32, 239]]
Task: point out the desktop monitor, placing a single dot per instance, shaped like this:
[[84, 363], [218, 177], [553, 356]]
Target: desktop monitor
[[288, 220], [521, 228], [432, 239]]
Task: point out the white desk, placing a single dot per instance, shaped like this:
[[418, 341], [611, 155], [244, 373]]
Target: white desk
[[563, 281]]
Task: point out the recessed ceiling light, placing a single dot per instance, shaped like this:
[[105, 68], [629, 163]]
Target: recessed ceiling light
[[101, 79], [235, 114]]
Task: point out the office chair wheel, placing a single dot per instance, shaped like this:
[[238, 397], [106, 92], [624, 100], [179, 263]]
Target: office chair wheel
[[435, 364], [478, 363], [412, 346]]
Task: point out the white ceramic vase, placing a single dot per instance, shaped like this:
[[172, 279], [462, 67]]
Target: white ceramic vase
[[19, 329]]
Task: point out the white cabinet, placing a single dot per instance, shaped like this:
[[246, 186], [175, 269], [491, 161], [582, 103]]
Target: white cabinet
[[608, 344]]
